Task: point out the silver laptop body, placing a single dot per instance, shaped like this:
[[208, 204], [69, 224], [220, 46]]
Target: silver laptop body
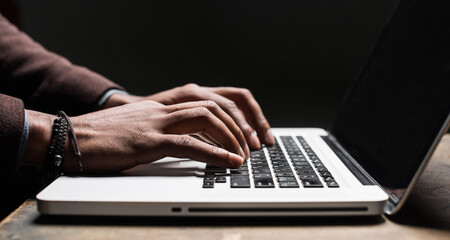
[[365, 163]]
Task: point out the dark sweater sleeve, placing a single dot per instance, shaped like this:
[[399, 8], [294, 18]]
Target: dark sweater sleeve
[[45, 81], [11, 129]]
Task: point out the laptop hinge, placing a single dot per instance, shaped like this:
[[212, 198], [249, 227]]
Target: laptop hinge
[[348, 161]]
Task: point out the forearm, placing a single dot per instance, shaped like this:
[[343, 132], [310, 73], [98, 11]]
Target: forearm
[[100, 151]]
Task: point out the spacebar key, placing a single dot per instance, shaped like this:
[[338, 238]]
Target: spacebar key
[[239, 181]]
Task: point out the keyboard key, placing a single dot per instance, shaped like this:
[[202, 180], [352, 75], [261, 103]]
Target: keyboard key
[[306, 171], [237, 181], [333, 184], [208, 184], [238, 172], [244, 166], [322, 169], [262, 175], [282, 166], [209, 177], [221, 179], [308, 176], [298, 159], [264, 183], [289, 185], [301, 164], [259, 162], [299, 168], [277, 151], [284, 174], [316, 161], [294, 152], [278, 158], [326, 174], [283, 170], [312, 183], [260, 167], [262, 170], [214, 169], [329, 179], [286, 179], [278, 162]]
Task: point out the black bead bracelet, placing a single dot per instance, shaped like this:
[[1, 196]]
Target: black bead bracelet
[[55, 153]]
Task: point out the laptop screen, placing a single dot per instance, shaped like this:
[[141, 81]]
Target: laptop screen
[[401, 100]]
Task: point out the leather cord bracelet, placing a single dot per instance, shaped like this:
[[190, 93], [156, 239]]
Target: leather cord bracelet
[[73, 139], [55, 153]]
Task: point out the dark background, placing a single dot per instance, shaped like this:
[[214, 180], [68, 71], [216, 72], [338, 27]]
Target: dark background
[[297, 57]]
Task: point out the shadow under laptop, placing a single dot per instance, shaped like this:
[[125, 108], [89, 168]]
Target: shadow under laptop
[[208, 221], [428, 206]]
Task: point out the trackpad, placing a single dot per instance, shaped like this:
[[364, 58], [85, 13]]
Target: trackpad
[[168, 167]]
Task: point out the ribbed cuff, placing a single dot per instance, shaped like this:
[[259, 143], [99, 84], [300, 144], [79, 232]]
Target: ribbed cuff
[[23, 142], [108, 94]]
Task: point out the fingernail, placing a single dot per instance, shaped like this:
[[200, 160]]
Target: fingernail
[[236, 160], [254, 141], [269, 137]]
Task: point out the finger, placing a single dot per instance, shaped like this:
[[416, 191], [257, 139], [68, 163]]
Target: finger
[[245, 101], [233, 111], [201, 120], [205, 138], [222, 115], [184, 146]]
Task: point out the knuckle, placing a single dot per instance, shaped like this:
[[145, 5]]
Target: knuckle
[[265, 125], [210, 104], [245, 92], [191, 86], [202, 112], [214, 151], [241, 133], [231, 105], [189, 90], [260, 118], [262, 121], [185, 141], [247, 130], [245, 95]]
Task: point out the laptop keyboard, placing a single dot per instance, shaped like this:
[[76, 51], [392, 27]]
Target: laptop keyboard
[[304, 169]]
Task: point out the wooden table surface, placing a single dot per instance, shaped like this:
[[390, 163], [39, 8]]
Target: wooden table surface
[[426, 215]]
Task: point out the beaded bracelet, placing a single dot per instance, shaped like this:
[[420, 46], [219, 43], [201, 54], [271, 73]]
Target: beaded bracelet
[[55, 152]]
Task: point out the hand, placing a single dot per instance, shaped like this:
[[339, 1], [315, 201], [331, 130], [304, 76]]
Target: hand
[[122, 137], [239, 103]]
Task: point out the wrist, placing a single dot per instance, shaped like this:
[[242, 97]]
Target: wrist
[[39, 138], [99, 144]]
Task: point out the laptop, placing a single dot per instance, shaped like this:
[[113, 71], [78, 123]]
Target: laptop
[[365, 163]]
